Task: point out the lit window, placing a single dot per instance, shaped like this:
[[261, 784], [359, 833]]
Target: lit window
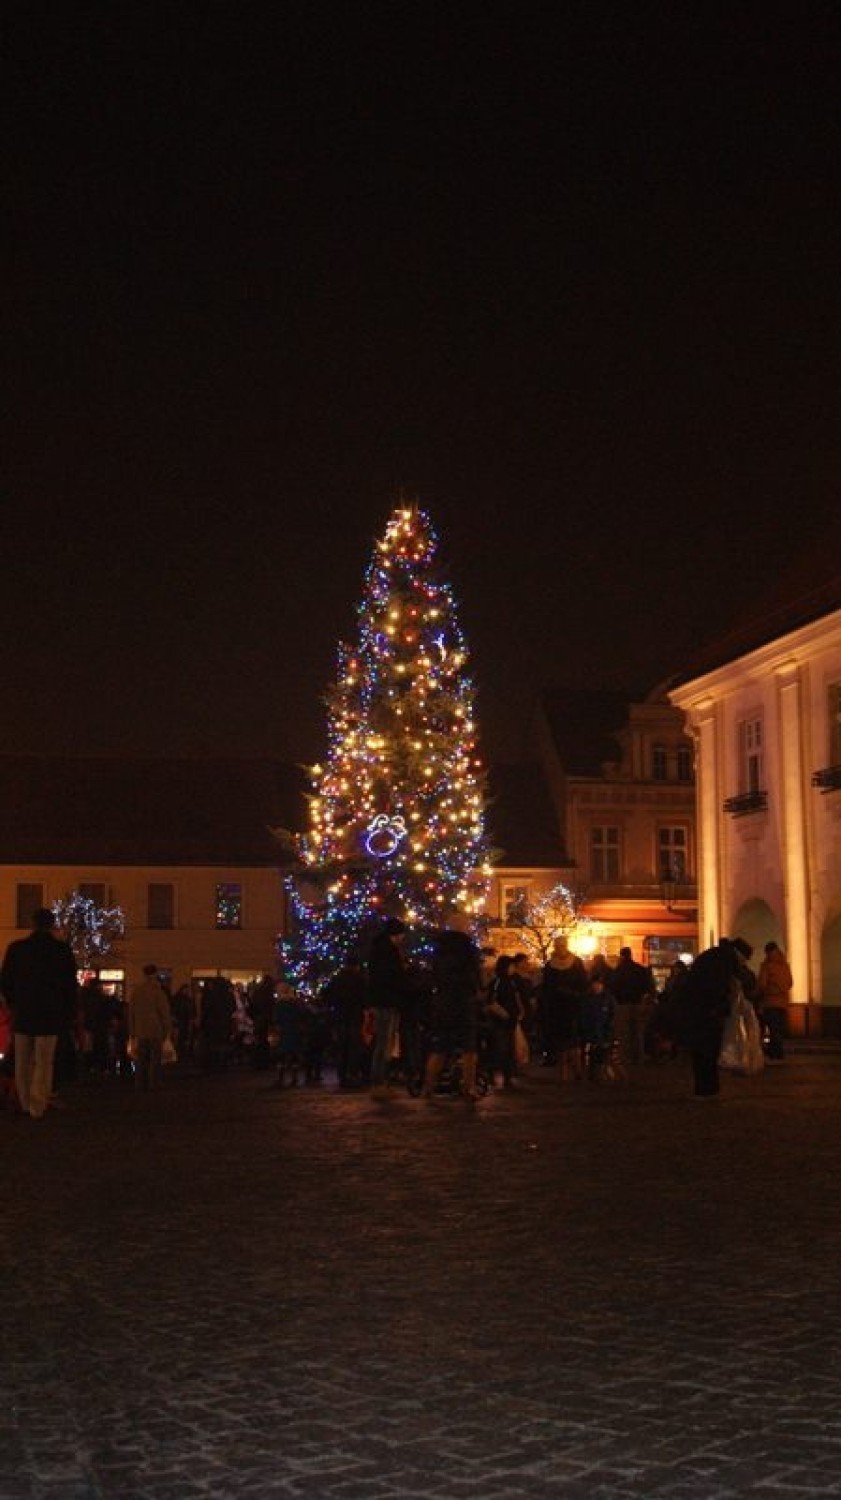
[[229, 906], [604, 855], [160, 905], [673, 854], [750, 746], [29, 899], [514, 898]]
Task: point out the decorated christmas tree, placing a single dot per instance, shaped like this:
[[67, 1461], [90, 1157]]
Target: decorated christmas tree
[[397, 808]]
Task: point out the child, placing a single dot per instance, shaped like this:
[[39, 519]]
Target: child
[[596, 1020]]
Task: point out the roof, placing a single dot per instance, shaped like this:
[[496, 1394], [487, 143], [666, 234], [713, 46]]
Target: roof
[[114, 810], [584, 724], [117, 810], [522, 822], [760, 629], [772, 603]]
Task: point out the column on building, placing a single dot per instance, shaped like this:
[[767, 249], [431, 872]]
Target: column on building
[[709, 804], [793, 816]]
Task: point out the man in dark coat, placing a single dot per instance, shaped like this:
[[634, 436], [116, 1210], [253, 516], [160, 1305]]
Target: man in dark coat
[[704, 1004], [457, 985], [345, 995], [633, 989], [38, 978]]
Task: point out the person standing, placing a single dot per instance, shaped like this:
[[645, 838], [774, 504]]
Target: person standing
[[502, 1008], [704, 1004], [388, 982], [456, 989], [633, 991], [38, 978], [344, 993], [261, 1007], [598, 1013], [184, 1018], [526, 994], [563, 984], [775, 986], [150, 1024]]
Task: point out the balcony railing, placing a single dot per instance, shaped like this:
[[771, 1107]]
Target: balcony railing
[[829, 779], [746, 803]]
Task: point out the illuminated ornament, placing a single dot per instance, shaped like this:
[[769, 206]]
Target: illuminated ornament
[[384, 835]]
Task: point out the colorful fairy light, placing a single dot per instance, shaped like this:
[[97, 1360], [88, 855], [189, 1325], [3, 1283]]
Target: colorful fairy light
[[396, 812]]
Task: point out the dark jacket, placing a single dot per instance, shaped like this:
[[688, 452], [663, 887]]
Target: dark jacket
[[703, 1000], [503, 994], [388, 976], [631, 982], [38, 979]]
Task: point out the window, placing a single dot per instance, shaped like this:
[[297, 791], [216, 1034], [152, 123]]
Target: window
[[684, 762], [835, 724], [160, 905], [229, 906], [94, 892], [672, 854], [29, 899], [513, 896], [750, 738], [659, 762], [604, 855]]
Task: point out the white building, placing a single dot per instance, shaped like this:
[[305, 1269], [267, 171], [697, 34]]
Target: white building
[[765, 715]]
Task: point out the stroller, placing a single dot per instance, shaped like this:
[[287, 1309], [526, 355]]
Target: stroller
[[451, 1079]]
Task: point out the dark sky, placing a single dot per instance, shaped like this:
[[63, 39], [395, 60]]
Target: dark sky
[[569, 274]]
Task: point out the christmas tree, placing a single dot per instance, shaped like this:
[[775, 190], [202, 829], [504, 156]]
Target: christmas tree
[[397, 808]]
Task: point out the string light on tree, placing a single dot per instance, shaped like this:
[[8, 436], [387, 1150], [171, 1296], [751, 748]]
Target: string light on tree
[[397, 806], [90, 930]]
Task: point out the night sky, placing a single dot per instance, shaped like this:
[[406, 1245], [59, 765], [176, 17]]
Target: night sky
[[567, 274]]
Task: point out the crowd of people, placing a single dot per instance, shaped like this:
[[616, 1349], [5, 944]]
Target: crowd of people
[[388, 1020]]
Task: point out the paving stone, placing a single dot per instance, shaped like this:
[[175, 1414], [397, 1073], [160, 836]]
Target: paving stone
[[616, 1294]]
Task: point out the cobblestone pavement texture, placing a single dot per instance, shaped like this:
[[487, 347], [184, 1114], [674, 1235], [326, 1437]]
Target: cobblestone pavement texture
[[607, 1292]]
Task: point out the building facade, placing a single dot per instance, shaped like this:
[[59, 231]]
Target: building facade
[[623, 780], [192, 921], [766, 722], [184, 848]]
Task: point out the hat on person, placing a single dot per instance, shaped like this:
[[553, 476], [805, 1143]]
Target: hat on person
[[742, 946]]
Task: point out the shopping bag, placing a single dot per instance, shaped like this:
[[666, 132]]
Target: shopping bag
[[741, 1043]]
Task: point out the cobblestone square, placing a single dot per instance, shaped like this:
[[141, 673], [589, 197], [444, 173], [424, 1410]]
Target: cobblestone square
[[606, 1292]]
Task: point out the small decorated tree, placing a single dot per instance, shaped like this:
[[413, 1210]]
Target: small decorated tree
[[538, 924], [91, 930], [397, 807]]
